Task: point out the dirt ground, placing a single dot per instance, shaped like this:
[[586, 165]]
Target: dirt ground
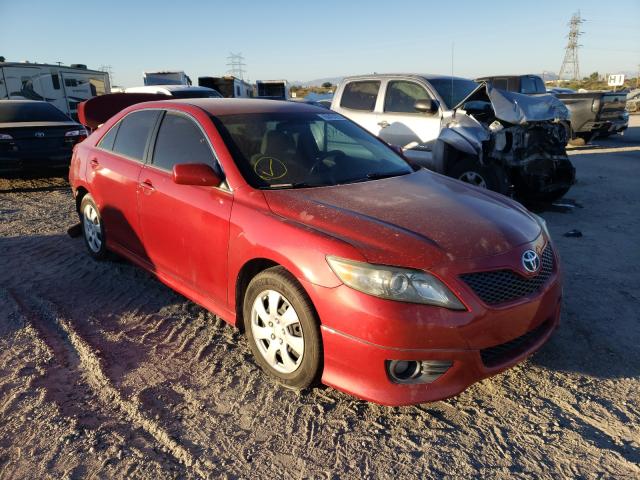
[[105, 372]]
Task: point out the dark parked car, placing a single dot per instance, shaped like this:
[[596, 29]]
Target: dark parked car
[[593, 114], [36, 135]]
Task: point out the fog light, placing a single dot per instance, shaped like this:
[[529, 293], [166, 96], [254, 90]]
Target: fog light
[[414, 371]]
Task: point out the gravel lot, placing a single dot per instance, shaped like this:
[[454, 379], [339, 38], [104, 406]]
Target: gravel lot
[[105, 372]]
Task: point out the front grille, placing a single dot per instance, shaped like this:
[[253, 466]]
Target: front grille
[[500, 354], [501, 286]]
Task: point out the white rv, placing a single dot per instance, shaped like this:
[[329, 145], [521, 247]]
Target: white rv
[[166, 78], [65, 87]]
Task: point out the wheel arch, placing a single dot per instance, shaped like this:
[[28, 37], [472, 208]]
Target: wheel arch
[[247, 272]]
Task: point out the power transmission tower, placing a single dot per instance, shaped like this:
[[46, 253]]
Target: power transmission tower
[[235, 62], [108, 70], [570, 64]]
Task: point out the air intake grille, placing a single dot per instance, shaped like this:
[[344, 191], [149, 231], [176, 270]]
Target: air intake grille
[[500, 354], [501, 286]]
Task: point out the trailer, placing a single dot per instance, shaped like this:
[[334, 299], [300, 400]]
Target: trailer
[[63, 86], [272, 89], [166, 77], [228, 86]]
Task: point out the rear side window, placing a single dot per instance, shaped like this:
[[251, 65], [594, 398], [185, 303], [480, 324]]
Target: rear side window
[[180, 140], [133, 133], [360, 95], [106, 142], [401, 97]]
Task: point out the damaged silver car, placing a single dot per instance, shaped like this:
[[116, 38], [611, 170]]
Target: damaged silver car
[[504, 141]]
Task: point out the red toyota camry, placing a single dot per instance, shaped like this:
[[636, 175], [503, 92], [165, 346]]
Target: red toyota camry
[[340, 261]]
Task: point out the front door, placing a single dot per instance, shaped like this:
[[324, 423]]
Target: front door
[[402, 125], [185, 227]]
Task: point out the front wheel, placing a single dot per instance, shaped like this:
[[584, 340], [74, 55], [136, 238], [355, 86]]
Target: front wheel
[[92, 228], [282, 329], [492, 177]]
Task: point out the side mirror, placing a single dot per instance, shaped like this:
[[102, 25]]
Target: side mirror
[[199, 174], [426, 106]]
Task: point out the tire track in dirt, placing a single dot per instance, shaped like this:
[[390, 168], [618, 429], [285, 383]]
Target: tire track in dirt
[[68, 346]]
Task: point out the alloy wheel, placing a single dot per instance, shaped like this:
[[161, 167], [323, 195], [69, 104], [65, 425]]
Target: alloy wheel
[[92, 228], [277, 331]]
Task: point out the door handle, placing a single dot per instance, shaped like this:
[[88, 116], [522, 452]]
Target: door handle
[[94, 162], [147, 186], [383, 124]]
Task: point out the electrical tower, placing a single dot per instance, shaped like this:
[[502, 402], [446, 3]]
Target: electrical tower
[[570, 65], [109, 71], [235, 62]]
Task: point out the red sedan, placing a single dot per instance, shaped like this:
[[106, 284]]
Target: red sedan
[[340, 261]]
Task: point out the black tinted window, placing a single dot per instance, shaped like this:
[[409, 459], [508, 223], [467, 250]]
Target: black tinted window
[[133, 133], [180, 140], [30, 112], [107, 141], [360, 95], [402, 96], [453, 90], [531, 85]]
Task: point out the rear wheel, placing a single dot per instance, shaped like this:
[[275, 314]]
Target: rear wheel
[[492, 177], [282, 329], [92, 228]]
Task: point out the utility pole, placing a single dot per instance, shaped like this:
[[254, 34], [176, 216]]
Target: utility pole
[[235, 62], [570, 64]]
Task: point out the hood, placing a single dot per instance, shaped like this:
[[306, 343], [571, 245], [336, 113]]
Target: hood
[[417, 220], [516, 108]]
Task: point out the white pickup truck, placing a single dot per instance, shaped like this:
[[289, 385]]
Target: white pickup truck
[[504, 141]]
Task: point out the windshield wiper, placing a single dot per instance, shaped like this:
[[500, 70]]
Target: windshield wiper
[[376, 176], [276, 186], [379, 175]]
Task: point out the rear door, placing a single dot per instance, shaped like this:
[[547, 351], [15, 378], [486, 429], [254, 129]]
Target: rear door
[[185, 227], [358, 102], [113, 168]]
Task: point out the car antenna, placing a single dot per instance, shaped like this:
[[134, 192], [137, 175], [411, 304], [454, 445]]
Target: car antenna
[[451, 92]]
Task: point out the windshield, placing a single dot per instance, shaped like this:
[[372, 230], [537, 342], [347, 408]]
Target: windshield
[[30, 112], [453, 90], [291, 150], [195, 94]]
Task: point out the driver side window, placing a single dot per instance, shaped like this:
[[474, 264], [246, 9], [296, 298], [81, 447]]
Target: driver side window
[[179, 141], [401, 96]]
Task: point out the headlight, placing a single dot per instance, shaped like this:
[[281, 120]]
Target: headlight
[[394, 283], [543, 224]]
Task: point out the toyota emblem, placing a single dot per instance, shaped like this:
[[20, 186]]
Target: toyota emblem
[[531, 261], [39, 134]]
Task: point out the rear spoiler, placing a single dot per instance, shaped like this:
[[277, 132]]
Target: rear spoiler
[[97, 110]]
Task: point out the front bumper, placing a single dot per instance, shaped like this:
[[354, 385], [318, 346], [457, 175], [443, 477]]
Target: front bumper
[[361, 333]]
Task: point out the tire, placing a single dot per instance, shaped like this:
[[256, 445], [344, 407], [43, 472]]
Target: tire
[[287, 346], [492, 177], [92, 228]]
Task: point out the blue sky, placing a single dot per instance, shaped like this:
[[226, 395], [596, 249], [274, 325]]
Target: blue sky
[[305, 40]]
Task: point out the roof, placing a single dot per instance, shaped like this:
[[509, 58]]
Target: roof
[[426, 76], [232, 106], [168, 88], [30, 64]]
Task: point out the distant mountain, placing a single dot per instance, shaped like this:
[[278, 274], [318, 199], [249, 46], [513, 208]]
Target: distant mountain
[[317, 82]]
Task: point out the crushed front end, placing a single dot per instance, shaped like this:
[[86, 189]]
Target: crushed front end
[[535, 156]]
